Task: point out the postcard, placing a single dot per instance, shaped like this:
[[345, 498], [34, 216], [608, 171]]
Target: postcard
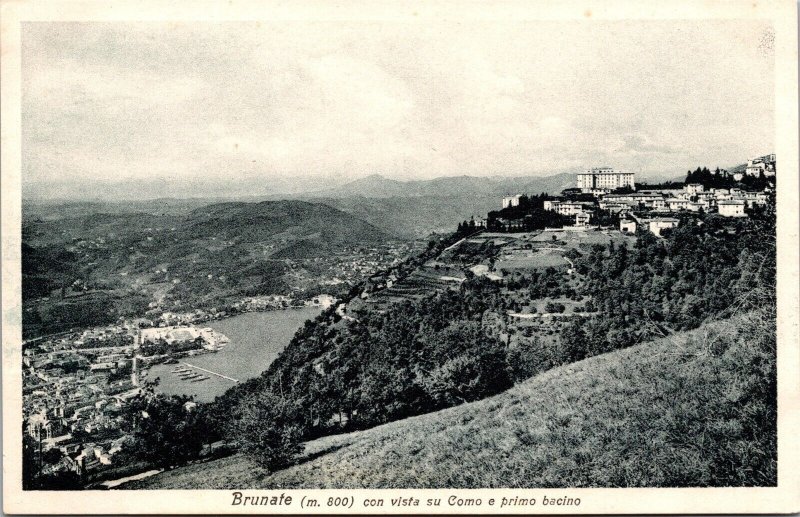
[[400, 257]]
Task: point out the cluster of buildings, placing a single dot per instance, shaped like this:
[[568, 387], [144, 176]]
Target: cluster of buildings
[[75, 387], [729, 202], [757, 166], [263, 303], [71, 392], [615, 192], [655, 225], [279, 301], [210, 339], [347, 267]]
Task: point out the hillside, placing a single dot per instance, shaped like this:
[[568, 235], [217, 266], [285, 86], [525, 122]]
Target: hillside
[[415, 216], [202, 257], [256, 222], [696, 408]]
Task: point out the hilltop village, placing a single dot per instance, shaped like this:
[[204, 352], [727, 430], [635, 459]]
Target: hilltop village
[[604, 194], [78, 386]]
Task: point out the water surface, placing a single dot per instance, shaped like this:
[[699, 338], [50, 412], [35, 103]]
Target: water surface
[[256, 338]]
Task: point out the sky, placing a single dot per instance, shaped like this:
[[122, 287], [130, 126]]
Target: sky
[[271, 105]]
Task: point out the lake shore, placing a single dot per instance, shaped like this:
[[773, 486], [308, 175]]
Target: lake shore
[[255, 340]]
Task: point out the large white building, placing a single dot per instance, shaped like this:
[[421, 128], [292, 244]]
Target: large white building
[[605, 178]]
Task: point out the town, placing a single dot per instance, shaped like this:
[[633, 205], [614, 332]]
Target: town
[[77, 384]]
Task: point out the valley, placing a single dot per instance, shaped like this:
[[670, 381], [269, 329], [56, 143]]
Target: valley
[[94, 269]]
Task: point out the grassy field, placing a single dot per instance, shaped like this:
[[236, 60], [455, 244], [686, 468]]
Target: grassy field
[[691, 409], [527, 260]]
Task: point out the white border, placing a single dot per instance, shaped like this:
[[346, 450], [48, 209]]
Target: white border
[[783, 13]]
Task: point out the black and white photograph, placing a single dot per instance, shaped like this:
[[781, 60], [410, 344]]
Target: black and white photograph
[[404, 248]]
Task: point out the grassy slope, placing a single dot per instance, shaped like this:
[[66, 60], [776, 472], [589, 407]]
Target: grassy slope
[[684, 410]]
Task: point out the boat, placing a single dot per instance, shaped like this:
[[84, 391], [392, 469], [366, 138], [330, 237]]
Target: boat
[[200, 378]]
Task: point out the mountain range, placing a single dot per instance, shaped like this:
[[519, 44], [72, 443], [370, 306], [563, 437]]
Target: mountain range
[[377, 186], [212, 253], [266, 188]]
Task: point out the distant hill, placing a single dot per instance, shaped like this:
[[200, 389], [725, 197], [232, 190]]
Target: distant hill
[[737, 168], [686, 410], [417, 208], [414, 217], [195, 257], [255, 222], [237, 223], [408, 209], [377, 186]]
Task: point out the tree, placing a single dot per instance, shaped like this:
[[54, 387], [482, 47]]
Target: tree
[[164, 432], [468, 377], [527, 358], [573, 342], [267, 427]]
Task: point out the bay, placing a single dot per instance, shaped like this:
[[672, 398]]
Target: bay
[[256, 339]]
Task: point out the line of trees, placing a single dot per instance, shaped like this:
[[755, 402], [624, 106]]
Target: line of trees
[[723, 179], [528, 215]]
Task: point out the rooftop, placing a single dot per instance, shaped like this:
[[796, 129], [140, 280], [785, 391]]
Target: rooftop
[[604, 171]]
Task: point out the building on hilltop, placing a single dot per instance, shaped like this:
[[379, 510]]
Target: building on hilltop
[[583, 218], [510, 201], [568, 208], [762, 165], [731, 208], [755, 168], [656, 226], [627, 226], [605, 178]]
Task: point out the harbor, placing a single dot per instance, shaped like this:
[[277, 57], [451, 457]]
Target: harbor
[[254, 340], [186, 373]]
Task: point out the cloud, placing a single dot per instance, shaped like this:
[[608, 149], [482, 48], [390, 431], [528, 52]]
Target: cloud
[[642, 144], [348, 99], [105, 84]]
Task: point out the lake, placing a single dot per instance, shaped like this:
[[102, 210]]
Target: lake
[[256, 339]]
